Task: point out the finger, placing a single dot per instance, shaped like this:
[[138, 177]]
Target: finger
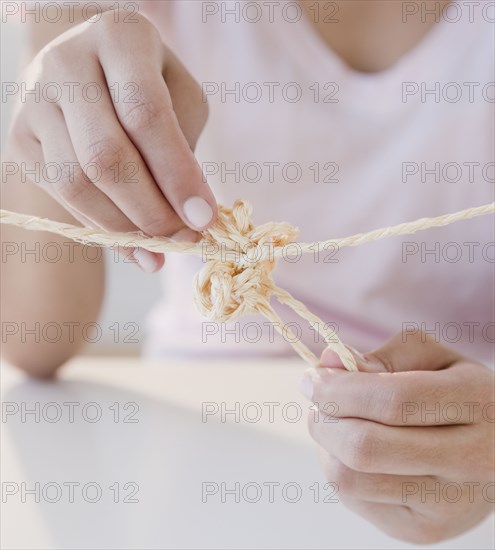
[[370, 447], [31, 161], [403, 352], [68, 184], [151, 123], [398, 521], [431, 522], [64, 175], [187, 99], [113, 164], [414, 398], [406, 352], [380, 488]]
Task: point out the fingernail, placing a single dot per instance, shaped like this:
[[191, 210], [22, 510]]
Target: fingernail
[[198, 212], [330, 359], [306, 384], [145, 259], [185, 235]]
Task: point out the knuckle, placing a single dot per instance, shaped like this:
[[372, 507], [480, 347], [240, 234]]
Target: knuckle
[[68, 175], [107, 18], [114, 27], [141, 115], [359, 449], [157, 227], [107, 154], [72, 190], [394, 406], [107, 21], [55, 57]]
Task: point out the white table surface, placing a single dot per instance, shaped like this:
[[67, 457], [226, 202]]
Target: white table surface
[[168, 454]]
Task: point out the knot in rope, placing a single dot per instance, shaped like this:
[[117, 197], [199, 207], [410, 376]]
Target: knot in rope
[[240, 259], [237, 276]]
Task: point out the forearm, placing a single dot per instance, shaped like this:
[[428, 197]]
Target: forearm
[[51, 288], [45, 304], [146, 179]]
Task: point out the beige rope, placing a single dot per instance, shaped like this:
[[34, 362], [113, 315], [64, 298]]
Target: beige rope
[[239, 260]]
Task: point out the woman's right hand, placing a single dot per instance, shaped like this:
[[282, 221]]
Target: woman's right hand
[[122, 161]]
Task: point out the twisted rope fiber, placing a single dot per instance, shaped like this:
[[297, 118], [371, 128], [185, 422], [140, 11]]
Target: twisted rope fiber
[[233, 282]]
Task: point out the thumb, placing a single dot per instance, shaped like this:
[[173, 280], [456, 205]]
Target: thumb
[[403, 352]]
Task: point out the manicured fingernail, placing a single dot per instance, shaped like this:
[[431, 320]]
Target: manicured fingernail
[[185, 235], [198, 212], [145, 259], [330, 359], [306, 384]]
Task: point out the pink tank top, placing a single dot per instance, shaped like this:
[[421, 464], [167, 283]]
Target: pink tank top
[[335, 152]]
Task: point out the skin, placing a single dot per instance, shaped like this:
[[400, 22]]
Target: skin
[[157, 134], [371, 35], [384, 450]]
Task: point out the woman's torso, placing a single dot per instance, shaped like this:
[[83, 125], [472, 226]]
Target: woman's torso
[[335, 152]]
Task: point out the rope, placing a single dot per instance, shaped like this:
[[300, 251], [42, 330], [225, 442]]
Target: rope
[[239, 260]]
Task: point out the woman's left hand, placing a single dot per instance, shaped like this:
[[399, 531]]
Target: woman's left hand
[[409, 440]]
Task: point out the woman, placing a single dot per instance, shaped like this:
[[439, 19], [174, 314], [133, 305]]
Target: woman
[[336, 116]]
